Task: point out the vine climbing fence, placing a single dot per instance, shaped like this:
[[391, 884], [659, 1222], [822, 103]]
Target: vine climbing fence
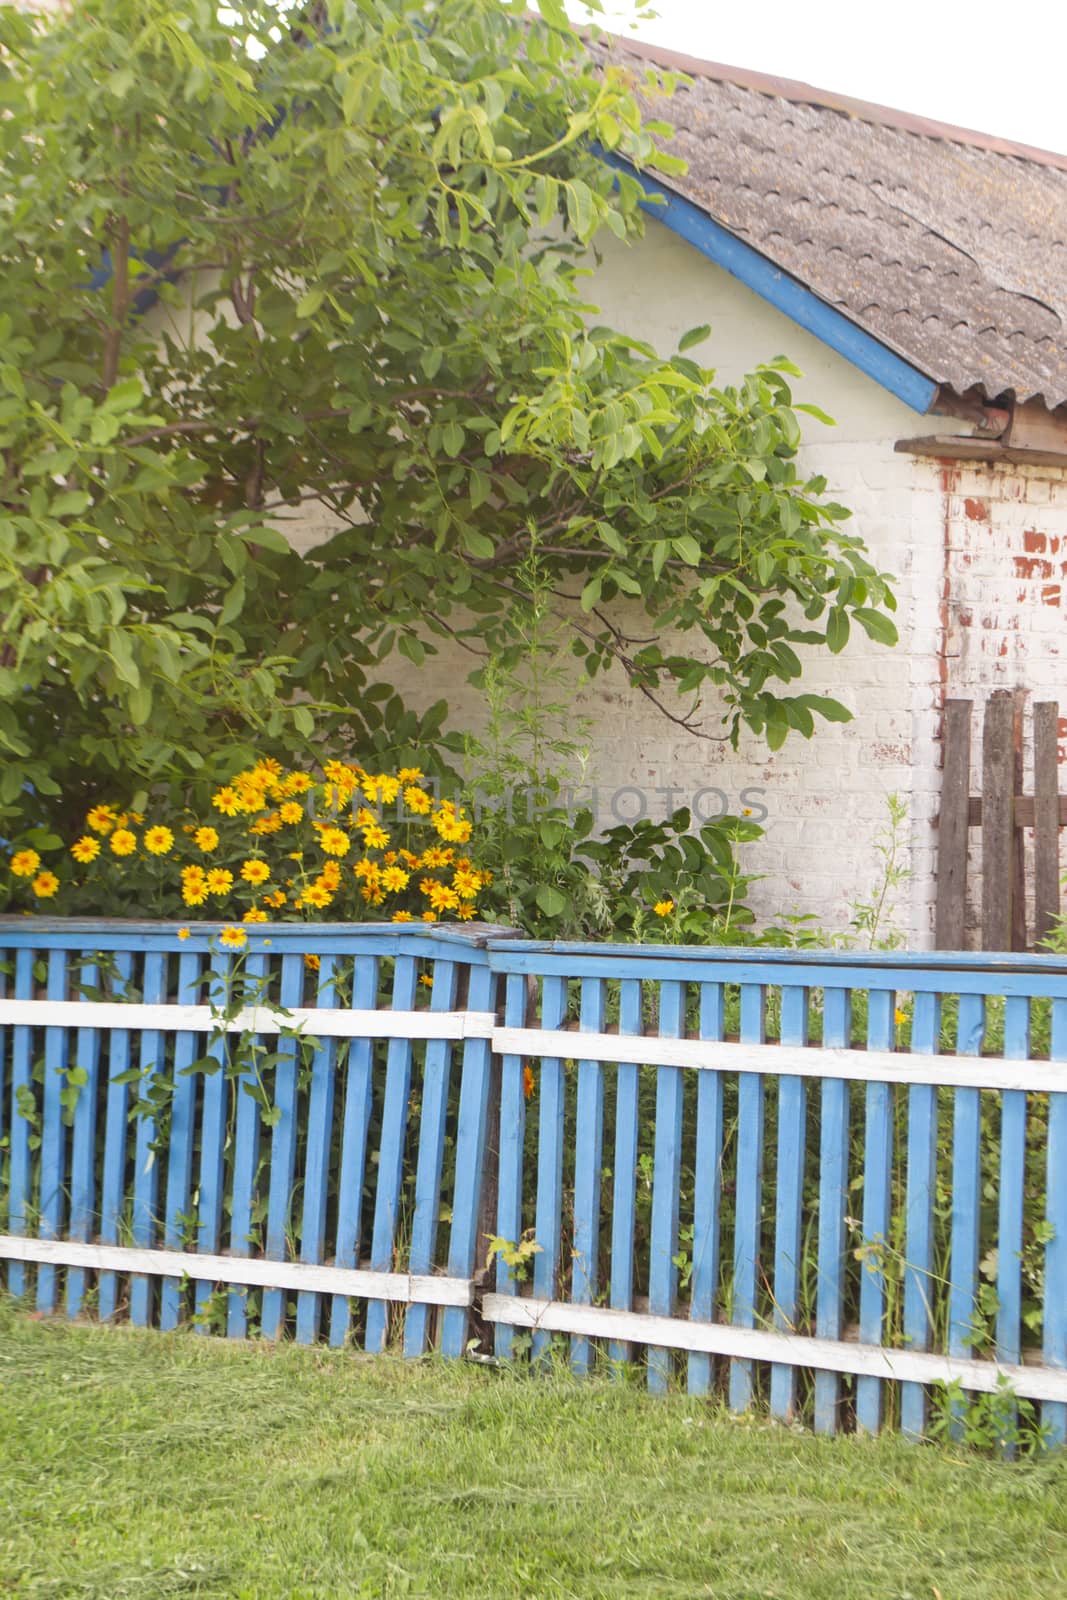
[[827, 1184]]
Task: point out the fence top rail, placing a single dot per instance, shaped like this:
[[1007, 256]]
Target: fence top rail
[[941, 972], [467, 942]]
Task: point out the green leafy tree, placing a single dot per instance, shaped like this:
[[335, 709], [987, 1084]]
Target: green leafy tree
[[256, 263]]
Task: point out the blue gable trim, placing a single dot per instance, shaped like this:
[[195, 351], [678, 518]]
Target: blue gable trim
[[786, 294]]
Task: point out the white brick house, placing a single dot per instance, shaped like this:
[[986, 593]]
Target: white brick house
[[918, 276]]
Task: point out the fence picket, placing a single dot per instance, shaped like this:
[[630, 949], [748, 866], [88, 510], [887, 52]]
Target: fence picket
[[624, 1176], [966, 1186], [20, 1173], [1011, 1196], [246, 1136], [354, 1135], [510, 1172], [707, 1186], [213, 1114], [145, 1164], [436, 1082], [283, 1148], [180, 1151], [391, 1151], [667, 1177], [53, 1133], [589, 1137], [551, 1107], [116, 1142], [470, 1152], [1054, 1346], [317, 1155], [83, 1145], [749, 1201], [789, 1210], [877, 1192], [833, 1203], [921, 1183]]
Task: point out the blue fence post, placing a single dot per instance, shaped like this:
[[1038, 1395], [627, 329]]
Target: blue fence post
[[53, 1132], [116, 1143], [624, 1177], [1011, 1198], [145, 1162], [552, 1091], [707, 1187], [919, 1229], [317, 1155], [20, 1169], [177, 1221], [833, 1202], [1054, 1349], [877, 1193], [355, 1130], [213, 1116], [789, 1210], [391, 1151], [283, 1149], [589, 1140], [436, 1080], [512, 1138], [470, 1157], [749, 1193], [666, 1182], [83, 1144], [966, 1188], [246, 1139]]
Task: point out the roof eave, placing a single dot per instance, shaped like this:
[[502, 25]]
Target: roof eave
[[876, 360]]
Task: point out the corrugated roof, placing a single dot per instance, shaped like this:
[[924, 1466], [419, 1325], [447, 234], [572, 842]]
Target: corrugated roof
[[950, 247]]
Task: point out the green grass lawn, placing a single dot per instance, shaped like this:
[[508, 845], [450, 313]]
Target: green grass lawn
[[150, 1465]]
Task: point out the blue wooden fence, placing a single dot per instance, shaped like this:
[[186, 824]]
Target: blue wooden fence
[[824, 1183]]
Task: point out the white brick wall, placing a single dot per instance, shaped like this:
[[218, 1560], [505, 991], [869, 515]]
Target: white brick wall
[[826, 799]]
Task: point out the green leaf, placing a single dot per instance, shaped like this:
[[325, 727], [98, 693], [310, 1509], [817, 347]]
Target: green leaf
[[310, 302], [694, 336], [687, 548], [876, 625], [123, 396], [550, 900], [837, 630]]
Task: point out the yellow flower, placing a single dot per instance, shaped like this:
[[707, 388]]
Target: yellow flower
[[426, 980], [442, 898], [312, 963], [900, 1017], [24, 863], [85, 849], [374, 837], [183, 933], [317, 895], [395, 878], [195, 893], [137, 816], [275, 900], [157, 841], [45, 885], [123, 842], [466, 883], [233, 938], [227, 800], [334, 841], [264, 825], [388, 787], [467, 911], [663, 908], [206, 838], [101, 819], [290, 811], [429, 916], [255, 871], [193, 873], [295, 783], [436, 857], [417, 800], [409, 775], [402, 916], [254, 914], [219, 880]]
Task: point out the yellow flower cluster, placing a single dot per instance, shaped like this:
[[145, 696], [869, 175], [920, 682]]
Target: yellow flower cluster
[[349, 843]]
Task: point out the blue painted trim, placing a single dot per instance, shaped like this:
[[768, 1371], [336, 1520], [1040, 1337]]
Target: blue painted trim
[[785, 293]]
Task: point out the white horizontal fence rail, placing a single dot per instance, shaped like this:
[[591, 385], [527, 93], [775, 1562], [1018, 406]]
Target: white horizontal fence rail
[[316, 1022], [355, 1282], [760, 1344]]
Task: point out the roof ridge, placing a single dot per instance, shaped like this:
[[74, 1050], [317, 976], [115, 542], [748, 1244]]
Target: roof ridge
[[799, 93]]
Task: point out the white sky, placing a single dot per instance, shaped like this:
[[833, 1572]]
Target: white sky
[[999, 69]]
